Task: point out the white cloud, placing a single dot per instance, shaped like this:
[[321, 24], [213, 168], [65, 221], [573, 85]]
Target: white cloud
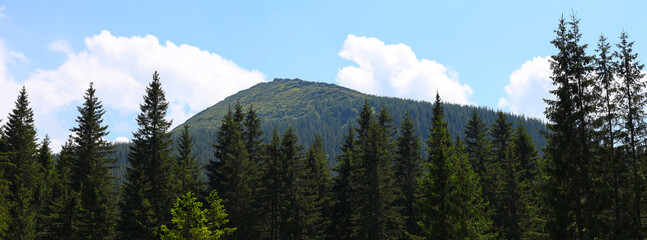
[[61, 46], [9, 88], [394, 70], [2, 10], [527, 88], [121, 140], [121, 68]]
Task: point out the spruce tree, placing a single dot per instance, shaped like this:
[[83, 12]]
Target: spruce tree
[[272, 187], [188, 171], [47, 178], [291, 168], [252, 136], [498, 176], [5, 205], [90, 173], [252, 133], [21, 172], [608, 168], [316, 198], [527, 156], [451, 203], [376, 215], [63, 215], [569, 141], [148, 193], [632, 104], [478, 146], [408, 169], [231, 175], [343, 193], [469, 205]]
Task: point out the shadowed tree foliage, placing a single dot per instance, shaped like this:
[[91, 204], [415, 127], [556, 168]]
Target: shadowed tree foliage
[[22, 169], [408, 169], [148, 193], [188, 171], [375, 216], [90, 171], [231, 175], [451, 202], [342, 189], [568, 186], [632, 105], [317, 186]]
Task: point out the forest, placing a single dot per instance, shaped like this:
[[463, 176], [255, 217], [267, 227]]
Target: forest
[[490, 182]]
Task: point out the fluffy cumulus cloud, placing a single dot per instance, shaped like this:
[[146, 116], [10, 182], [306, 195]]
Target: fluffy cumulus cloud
[[121, 68], [8, 87], [528, 86], [394, 70]]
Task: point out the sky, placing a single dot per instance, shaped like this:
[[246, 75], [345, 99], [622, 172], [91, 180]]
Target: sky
[[485, 53]]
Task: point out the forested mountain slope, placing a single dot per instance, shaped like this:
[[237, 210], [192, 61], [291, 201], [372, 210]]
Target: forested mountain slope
[[313, 107]]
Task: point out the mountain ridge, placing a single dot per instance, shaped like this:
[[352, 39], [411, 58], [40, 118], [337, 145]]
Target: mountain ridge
[[311, 107]]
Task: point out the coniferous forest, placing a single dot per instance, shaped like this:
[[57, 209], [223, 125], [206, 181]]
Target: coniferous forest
[[385, 181]]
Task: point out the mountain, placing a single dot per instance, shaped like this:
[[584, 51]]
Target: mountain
[[311, 107]]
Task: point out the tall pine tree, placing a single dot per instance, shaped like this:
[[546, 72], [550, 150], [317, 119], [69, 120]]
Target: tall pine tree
[[148, 193], [188, 171], [376, 215], [47, 179], [569, 141], [317, 185], [408, 169], [272, 187], [633, 103], [5, 205], [291, 168], [90, 172], [451, 202], [21, 172], [341, 227], [231, 174], [607, 168]]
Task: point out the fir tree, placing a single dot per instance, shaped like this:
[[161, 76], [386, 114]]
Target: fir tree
[[252, 136], [569, 140], [188, 171], [231, 176], [63, 215], [343, 189], [46, 180], [528, 159], [21, 172], [607, 168], [451, 202], [632, 104], [471, 220], [477, 145], [148, 191], [90, 173], [272, 187], [316, 198], [291, 167], [5, 205], [252, 133], [408, 169], [376, 215], [498, 176]]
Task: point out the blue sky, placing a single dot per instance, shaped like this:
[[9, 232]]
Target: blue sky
[[469, 51]]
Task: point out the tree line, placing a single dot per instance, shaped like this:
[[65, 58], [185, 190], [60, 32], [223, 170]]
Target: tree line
[[490, 184]]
